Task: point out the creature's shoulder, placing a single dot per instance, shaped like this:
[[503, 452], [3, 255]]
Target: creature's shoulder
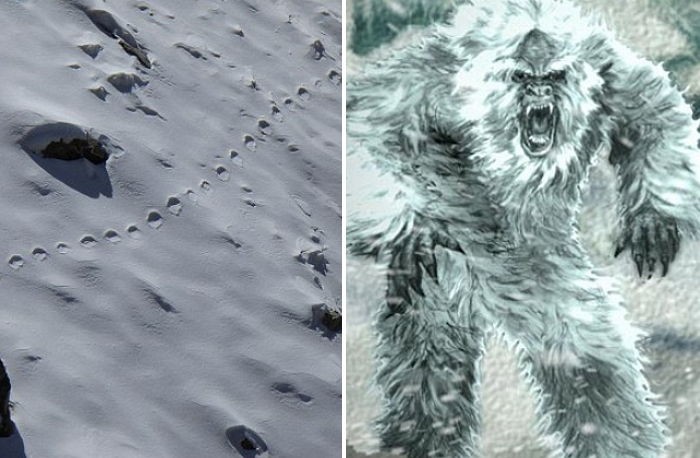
[[403, 73]]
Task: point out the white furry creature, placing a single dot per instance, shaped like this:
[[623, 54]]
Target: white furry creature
[[467, 154]]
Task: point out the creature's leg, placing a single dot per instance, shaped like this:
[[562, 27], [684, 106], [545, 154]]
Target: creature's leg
[[580, 352], [428, 357]]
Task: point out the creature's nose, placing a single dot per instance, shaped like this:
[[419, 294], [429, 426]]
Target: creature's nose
[[539, 90]]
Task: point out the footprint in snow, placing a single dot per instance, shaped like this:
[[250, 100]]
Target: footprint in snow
[[264, 127], [155, 220], [290, 392], [205, 185], [290, 104], [39, 254], [246, 441], [112, 236], [335, 77], [303, 93], [16, 261], [236, 158], [222, 173], [249, 142], [174, 205], [133, 231], [88, 241], [62, 248]]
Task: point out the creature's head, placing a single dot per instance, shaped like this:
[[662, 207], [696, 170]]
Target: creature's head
[[539, 83], [527, 85]]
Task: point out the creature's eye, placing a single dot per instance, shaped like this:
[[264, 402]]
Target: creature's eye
[[519, 76], [556, 77]]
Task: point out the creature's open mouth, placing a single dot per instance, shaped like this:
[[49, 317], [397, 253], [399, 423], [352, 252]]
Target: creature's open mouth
[[538, 126]]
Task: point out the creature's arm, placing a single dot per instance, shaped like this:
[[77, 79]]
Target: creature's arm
[[655, 149], [388, 117], [378, 211]]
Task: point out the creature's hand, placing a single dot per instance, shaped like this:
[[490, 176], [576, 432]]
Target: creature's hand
[[650, 238]]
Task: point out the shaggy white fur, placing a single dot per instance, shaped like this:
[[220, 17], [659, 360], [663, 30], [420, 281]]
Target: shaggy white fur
[[466, 157]]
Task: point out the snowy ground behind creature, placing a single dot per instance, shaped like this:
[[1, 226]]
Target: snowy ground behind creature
[[668, 309], [152, 305]]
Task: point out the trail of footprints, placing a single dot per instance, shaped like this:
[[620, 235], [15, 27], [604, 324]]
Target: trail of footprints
[[174, 204], [240, 437], [126, 83]]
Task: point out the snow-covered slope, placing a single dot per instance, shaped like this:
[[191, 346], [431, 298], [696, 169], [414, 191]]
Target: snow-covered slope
[[160, 305]]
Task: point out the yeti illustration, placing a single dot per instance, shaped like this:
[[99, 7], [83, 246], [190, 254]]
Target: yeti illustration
[[468, 153]]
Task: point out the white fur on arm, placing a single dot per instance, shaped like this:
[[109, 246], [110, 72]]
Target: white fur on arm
[[656, 142], [382, 108], [378, 212]]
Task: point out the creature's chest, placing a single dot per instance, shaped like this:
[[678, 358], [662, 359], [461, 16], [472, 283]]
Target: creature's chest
[[449, 186]]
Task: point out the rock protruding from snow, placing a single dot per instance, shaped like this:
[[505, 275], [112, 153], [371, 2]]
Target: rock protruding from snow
[[316, 259], [191, 50], [91, 50], [100, 92], [326, 318], [65, 141], [104, 21], [125, 82], [136, 51], [78, 148]]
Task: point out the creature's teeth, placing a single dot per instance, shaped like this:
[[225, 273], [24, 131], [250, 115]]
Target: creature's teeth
[[546, 109], [539, 140]]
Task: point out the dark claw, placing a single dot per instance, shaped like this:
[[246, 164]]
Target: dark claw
[[652, 263], [663, 243], [675, 242], [619, 249], [646, 239], [654, 242], [664, 265], [639, 260]]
